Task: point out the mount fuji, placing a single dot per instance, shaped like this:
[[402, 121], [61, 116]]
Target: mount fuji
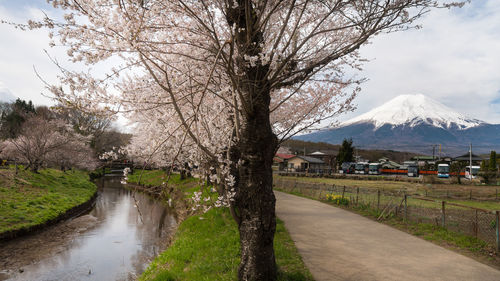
[[413, 123]]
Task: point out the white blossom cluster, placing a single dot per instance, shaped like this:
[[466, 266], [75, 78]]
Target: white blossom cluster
[[126, 171]]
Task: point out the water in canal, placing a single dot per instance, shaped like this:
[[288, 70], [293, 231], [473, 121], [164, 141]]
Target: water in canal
[[115, 241]]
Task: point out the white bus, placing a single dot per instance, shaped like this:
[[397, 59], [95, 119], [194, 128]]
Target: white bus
[[443, 171], [362, 168], [475, 171], [375, 169]]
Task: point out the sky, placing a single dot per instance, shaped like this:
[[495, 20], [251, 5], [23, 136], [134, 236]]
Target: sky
[[454, 58]]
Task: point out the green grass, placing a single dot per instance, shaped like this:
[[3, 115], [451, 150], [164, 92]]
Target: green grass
[[206, 247], [441, 235], [158, 177], [30, 199], [487, 205]]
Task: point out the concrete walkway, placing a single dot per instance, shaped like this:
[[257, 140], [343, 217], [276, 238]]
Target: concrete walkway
[[339, 245]]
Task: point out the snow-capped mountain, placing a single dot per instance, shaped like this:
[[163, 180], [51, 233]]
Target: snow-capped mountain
[[413, 110], [413, 123]]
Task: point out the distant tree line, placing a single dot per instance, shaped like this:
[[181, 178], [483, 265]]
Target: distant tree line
[[60, 137]]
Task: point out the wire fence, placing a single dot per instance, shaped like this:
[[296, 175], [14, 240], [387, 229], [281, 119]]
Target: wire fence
[[480, 223], [431, 186]]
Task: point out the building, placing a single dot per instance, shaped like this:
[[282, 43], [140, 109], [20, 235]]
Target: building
[[476, 160], [422, 160], [280, 161], [307, 164]]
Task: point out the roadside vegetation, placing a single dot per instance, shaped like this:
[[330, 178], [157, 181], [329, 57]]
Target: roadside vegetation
[[206, 246], [28, 199]]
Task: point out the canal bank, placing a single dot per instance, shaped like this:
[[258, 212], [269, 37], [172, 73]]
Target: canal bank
[[116, 240], [32, 201], [206, 245]]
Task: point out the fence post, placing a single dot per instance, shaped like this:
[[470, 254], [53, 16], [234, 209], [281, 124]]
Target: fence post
[[343, 191], [497, 213], [496, 194], [476, 228], [378, 199], [443, 210], [470, 195], [357, 195], [447, 194], [406, 208]]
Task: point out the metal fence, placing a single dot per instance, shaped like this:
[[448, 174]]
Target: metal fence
[[430, 185], [476, 222]]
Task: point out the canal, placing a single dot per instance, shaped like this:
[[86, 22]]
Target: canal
[[115, 241]]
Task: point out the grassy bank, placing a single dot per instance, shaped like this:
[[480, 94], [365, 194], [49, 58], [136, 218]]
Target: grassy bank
[[206, 247], [158, 177], [30, 199]]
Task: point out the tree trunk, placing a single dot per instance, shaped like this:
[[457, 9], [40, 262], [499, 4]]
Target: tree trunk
[[255, 201], [254, 206]]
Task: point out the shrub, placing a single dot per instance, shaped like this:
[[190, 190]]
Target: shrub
[[337, 199]]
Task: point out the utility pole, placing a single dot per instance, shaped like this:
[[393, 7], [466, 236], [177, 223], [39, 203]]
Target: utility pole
[[470, 161]]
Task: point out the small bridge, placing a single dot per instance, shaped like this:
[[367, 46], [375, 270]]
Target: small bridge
[[116, 167]]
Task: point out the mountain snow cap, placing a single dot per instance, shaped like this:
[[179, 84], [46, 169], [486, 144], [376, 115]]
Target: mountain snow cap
[[412, 110]]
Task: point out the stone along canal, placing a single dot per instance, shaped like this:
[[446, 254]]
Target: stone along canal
[[115, 241]]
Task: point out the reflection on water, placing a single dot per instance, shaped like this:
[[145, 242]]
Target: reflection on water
[[115, 241]]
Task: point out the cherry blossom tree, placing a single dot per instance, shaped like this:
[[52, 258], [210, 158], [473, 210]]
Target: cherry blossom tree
[[223, 82], [49, 142]]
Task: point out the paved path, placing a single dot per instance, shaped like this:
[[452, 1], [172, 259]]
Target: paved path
[[340, 245]]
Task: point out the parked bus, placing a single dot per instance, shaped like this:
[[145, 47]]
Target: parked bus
[[347, 168], [475, 171], [362, 168], [413, 170], [375, 169], [443, 171]]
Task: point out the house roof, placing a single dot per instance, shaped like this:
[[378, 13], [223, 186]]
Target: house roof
[[310, 159], [317, 153], [423, 157], [284, 155], [466, 157]]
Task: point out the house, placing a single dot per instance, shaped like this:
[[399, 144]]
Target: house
[[327, 156], [280, 161], [466, 158], [307, 164], [423, 159], [388, 164]]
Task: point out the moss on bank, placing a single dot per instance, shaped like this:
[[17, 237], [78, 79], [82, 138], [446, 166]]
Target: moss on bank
[[206, 247], [29, 199]]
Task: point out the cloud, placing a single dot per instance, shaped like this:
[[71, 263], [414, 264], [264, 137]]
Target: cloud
[[5, 94], [22, 51], [454, 58]]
